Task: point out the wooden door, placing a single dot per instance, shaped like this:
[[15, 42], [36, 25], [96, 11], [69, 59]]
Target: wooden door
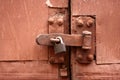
[[22, 59], [105, 65], [20, 23]]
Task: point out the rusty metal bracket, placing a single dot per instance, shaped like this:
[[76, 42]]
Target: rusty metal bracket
[[47, 39], [56, 59], [63, 72], [85, 25], [83, 40], [83, 43], [83, 37], [57, 23], [87, 40]]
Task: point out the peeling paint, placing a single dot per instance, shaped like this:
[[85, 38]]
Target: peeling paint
[[48, 3]]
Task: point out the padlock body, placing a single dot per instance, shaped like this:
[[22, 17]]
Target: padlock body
[[59, 48]]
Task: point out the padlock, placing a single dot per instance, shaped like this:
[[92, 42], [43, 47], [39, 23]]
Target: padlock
[[59, 47]]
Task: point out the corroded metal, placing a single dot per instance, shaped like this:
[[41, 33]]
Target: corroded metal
[[85, 53]]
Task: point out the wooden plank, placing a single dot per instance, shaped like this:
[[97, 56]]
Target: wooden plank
[[94, 71], [28, 70], [20, 23], [107, 40], [107, 26]]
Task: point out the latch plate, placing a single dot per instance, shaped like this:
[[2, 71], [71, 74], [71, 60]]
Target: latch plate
[[82, 37], [57, 23], [79, 24]]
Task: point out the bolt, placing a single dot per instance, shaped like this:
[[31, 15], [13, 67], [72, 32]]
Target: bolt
[[90, 22], [51, 20], [60, 21], [52, 60], [80, 22], [79, 57], [90, 57]]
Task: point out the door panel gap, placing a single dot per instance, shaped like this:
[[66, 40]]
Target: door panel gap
[[69, 11]]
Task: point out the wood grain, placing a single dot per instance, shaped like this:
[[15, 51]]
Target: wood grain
[[28, 70], [20, 23], [107, 27], [107, 40], [20, 56], [96, 72]]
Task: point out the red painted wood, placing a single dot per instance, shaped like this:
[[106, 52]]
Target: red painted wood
[[107, 26], [95, 72], [20, 23], [28, 70], [107, 40], [21, 58]]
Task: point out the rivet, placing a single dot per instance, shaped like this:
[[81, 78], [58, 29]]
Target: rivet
[[90, 22], [52, 60], [90, 57], [60, 21], [80, 22], [79, 57], [51, 20]]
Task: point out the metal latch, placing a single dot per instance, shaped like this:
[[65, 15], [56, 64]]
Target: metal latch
[[82, 37], [81, 40], [56, 39]]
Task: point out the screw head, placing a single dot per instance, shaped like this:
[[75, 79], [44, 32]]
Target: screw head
[[90, 22], [60, 21], [79, 57], [52, 60], [51, 20], [80, 22], [90, 57]]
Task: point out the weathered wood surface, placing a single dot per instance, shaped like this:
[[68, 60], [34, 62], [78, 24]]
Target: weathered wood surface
[[107, 26], [96, 72], [28, 70], [107, 40], [20, 23]]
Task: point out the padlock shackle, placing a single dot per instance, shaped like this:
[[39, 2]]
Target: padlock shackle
[[60, 38]]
